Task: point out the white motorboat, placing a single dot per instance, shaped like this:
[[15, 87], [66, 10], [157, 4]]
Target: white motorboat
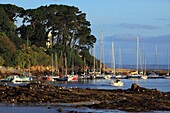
[[117, 82], [8, 79], [21, 79]]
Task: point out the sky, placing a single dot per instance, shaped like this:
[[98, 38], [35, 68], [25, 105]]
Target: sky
[[121, 22]]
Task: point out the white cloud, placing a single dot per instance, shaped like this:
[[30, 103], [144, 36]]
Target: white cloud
[[137, 26], [132, 37], [164, 19]]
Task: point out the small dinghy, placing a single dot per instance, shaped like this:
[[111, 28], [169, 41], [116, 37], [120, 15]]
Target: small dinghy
[[116, 82]]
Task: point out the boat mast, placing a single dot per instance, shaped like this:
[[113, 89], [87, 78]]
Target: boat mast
[[51, 45], [84, 65], [101, 50], [120, 58], [168, 63], [113, 58], [65, 59], [94, 60], [143, 65], [56, 61], [72, 64], [137, 53], [52, 64], [144, 62], [156, 54]]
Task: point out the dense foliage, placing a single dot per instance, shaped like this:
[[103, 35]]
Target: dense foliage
[[38, 36]]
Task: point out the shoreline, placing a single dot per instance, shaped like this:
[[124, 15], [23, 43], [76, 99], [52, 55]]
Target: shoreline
[[135, 99], [125, 71], [4, 72]]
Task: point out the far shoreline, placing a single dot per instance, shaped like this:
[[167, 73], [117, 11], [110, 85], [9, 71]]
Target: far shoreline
[[39, 71]]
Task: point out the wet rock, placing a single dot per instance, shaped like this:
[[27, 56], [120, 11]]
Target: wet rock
[[3, 95], [135, 87], [2, 88], [72, 111], [60, 110]]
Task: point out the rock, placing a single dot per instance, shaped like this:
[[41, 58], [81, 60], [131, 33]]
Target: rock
[[60, 110], [3, 88], [72, 111], [135, 87]]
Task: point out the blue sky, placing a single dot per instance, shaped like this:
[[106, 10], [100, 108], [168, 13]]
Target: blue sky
[[122, 21]]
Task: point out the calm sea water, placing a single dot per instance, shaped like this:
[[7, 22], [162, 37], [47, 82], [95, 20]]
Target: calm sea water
[[57, 109], [52, 109], [159, 84]]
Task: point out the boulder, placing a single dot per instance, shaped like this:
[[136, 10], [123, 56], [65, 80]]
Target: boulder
[[135, 87]]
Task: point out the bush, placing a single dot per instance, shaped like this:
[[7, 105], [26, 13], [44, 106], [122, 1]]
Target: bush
[[2, 61]]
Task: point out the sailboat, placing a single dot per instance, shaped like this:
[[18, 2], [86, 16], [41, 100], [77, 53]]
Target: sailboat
[[136, 73], [119, 75], [113, 60], [84, 75], [101, 75], [153, 74], [72, 76], [167, 76], [66, 76], [144, 76], [113, 64], [112, 74], [93, 69]]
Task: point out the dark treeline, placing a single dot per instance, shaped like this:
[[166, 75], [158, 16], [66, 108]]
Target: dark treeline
[[33, 37]]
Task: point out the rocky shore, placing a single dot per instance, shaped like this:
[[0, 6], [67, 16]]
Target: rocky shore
[[134, 99]]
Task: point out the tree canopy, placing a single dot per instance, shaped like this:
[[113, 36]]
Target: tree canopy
[[25, 33]]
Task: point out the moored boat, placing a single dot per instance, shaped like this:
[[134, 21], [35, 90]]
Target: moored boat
[[72, 77], [116, 82], [144, 77], [89, 76], [61, 79], [134, 76], [99, 76], [153, 75], [119, 76], [46, 77], [53, 78], [21, 79], [8, 79], [107, 76], [167, 76]]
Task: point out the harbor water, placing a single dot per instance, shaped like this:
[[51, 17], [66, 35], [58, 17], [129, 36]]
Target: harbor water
[[159, 84], [57, 109]]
